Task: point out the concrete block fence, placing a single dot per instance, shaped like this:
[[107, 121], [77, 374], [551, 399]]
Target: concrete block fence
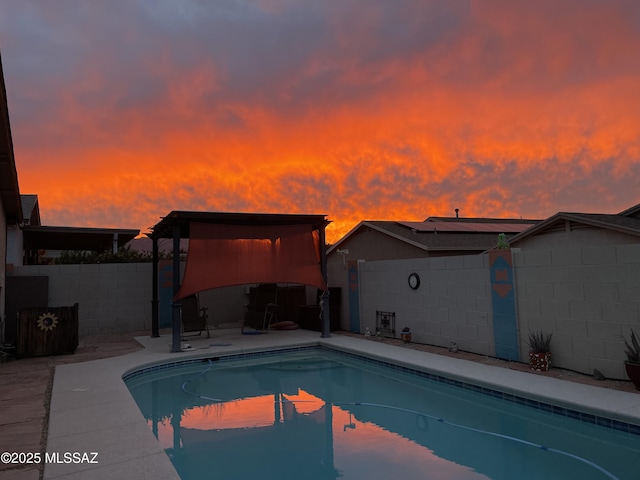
[[587, 297], [115, 298], [112, 298], [451, 305]]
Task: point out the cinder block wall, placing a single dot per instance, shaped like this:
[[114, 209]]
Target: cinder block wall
[[452, 304], [587, 297], [116, 297], [112, 298], [338, 276]]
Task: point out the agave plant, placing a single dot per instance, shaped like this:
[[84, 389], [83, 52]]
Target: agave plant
[[632, 348], [539, 342]]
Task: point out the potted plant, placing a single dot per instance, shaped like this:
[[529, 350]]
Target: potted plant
[[539, 351], [632, 364], [405, 335]]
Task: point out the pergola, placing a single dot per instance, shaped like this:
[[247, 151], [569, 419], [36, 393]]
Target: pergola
[[229, 238]]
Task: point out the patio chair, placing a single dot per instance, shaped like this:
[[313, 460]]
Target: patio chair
[[262, 309], [194, 318]]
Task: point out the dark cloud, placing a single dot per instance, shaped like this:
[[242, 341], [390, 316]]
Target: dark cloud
[[357, 108]]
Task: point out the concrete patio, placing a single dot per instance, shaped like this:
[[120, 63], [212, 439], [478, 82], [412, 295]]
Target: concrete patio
[[91, 410]]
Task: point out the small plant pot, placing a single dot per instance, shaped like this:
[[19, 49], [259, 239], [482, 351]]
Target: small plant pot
[[540, 361], [633, 372], [405, 336]]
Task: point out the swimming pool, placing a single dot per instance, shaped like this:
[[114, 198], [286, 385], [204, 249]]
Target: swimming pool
[[316, 413]]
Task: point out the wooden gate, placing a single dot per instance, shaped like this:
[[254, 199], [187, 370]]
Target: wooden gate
[[47, 331]]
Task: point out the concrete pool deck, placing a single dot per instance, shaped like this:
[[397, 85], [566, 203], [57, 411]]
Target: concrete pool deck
[[91, 409]]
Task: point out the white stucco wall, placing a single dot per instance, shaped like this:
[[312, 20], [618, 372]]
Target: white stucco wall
[[374, 245], [14, 245], [575, 237]]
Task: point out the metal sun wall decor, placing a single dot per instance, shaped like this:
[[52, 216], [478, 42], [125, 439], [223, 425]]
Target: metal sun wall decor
[[47, 321]]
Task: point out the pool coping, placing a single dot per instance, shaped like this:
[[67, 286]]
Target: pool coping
[[93, 411]]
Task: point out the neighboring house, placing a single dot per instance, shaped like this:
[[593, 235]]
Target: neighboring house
[[15, 237], [31, 243], [434, 237], [395, 240], [582, 230], [42, 244], [10, 205], [30, 209]]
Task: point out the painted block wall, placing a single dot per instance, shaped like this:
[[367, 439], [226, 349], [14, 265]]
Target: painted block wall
[[452, 304], [587, 297], [112, 298], [338, 276], [370, 244], [116, 298], [504, 317]]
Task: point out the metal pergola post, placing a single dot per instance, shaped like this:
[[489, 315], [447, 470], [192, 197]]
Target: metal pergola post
[[175, 310], [326, 314], [155, 330]]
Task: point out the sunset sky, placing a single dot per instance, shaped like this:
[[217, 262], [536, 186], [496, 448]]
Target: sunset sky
[[123, 110]]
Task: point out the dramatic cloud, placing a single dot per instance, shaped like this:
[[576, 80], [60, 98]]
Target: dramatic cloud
[[122, 111]]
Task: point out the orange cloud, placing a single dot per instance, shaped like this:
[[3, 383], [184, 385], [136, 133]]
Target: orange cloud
[[391, 112]]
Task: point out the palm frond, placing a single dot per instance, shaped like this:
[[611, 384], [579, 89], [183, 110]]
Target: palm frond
[[632, 347], [540, 341]]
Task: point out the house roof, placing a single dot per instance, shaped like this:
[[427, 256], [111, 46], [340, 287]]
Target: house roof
[[37, 237], [527, 221], [30, 209], [476, 227], [631, 211], [182, 219], [443, 234], [9, 187], [620, 223]]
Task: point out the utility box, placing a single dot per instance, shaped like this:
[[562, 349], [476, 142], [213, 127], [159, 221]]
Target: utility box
[[47, 331]]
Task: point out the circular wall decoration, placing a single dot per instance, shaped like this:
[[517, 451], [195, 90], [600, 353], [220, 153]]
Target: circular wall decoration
[[414, 281], [47, 321]]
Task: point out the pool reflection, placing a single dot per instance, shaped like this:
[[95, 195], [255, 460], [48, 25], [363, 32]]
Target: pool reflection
[[330, 419], [290, 434]]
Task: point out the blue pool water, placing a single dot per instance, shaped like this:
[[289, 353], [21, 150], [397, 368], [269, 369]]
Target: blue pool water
[[317, 414]]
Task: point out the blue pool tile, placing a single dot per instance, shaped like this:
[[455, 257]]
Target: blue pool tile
[[582, 416]]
